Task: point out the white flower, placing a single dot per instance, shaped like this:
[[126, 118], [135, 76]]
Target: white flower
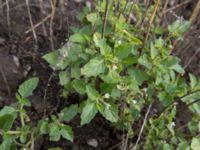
[[134, 102], [114, 67], [107, 96]]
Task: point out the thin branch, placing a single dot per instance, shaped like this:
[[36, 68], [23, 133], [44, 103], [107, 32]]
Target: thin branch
[[191, 58], [151, 21], [6, 82], [53, 10], [38, 24], [105, 19], [8, 15], [31, 22], [143, 125]]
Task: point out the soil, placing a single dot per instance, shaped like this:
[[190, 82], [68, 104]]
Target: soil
[[21, 52]]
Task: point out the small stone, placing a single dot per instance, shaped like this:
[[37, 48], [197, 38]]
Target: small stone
[[92, 142]]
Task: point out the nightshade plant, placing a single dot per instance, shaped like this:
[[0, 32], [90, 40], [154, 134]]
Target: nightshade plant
[[120, 68]]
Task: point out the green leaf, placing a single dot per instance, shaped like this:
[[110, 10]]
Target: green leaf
[[101, 43], [24, 134], [122, 51], [26, 88], [178, 69], [7, 117], [143, 60], [193, 80], [93, 68], [178, 28], [52, 58], [92, 17], [92, 93], [79, 86], [54, 132], [89, 112], [6, 122], [64, 77], [43, 126], [112, 77], [77, 38], [109, 111], [70, 112], [195, 145], [139, 75], [67, 133], [154, 51]]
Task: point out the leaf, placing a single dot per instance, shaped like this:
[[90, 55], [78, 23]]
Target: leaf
[[101, 43], [70, 112], [67, 133], [143, 60], [56, 148], [79, 86], [154, 51], [77, 38], [112, 77], [193, 80], [92, 93], [89, 112], [139, 75], [195, 145], [7, 117], [93, 68], [109, 111], [178, 69], [43, 126], [178, 28], [122, 51], [54, 132], [92, 17], [6, 122], [52, 58], [26, 88], [63, 77]]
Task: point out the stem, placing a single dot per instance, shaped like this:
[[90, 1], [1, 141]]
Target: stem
[[142, 128], [105, 19], [22, 116], [151, 21]]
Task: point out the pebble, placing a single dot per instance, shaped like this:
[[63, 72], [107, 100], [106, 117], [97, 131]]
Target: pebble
[[92, 142]]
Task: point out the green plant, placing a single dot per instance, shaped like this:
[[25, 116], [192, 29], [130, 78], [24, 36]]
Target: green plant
[[25, 134], [118, 70]]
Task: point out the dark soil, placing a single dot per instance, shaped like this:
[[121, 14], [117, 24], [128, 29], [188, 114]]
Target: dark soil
[[20, 58]]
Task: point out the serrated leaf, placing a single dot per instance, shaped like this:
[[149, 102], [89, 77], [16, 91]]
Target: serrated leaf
[[122, 51], [178, 69], [67, 133], [92, 93], [6, 122], [139, 75], [43, 127], [154, 51], [112, 77], [70, 112], [52, 58], [89, 112], [193, 80], [101, 43], [26, 88], [109, 111], [93, 68], [92, 17], [79, 86], [54, 132], [63, 78], [77, 38], [195, 145], [143, 60]]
